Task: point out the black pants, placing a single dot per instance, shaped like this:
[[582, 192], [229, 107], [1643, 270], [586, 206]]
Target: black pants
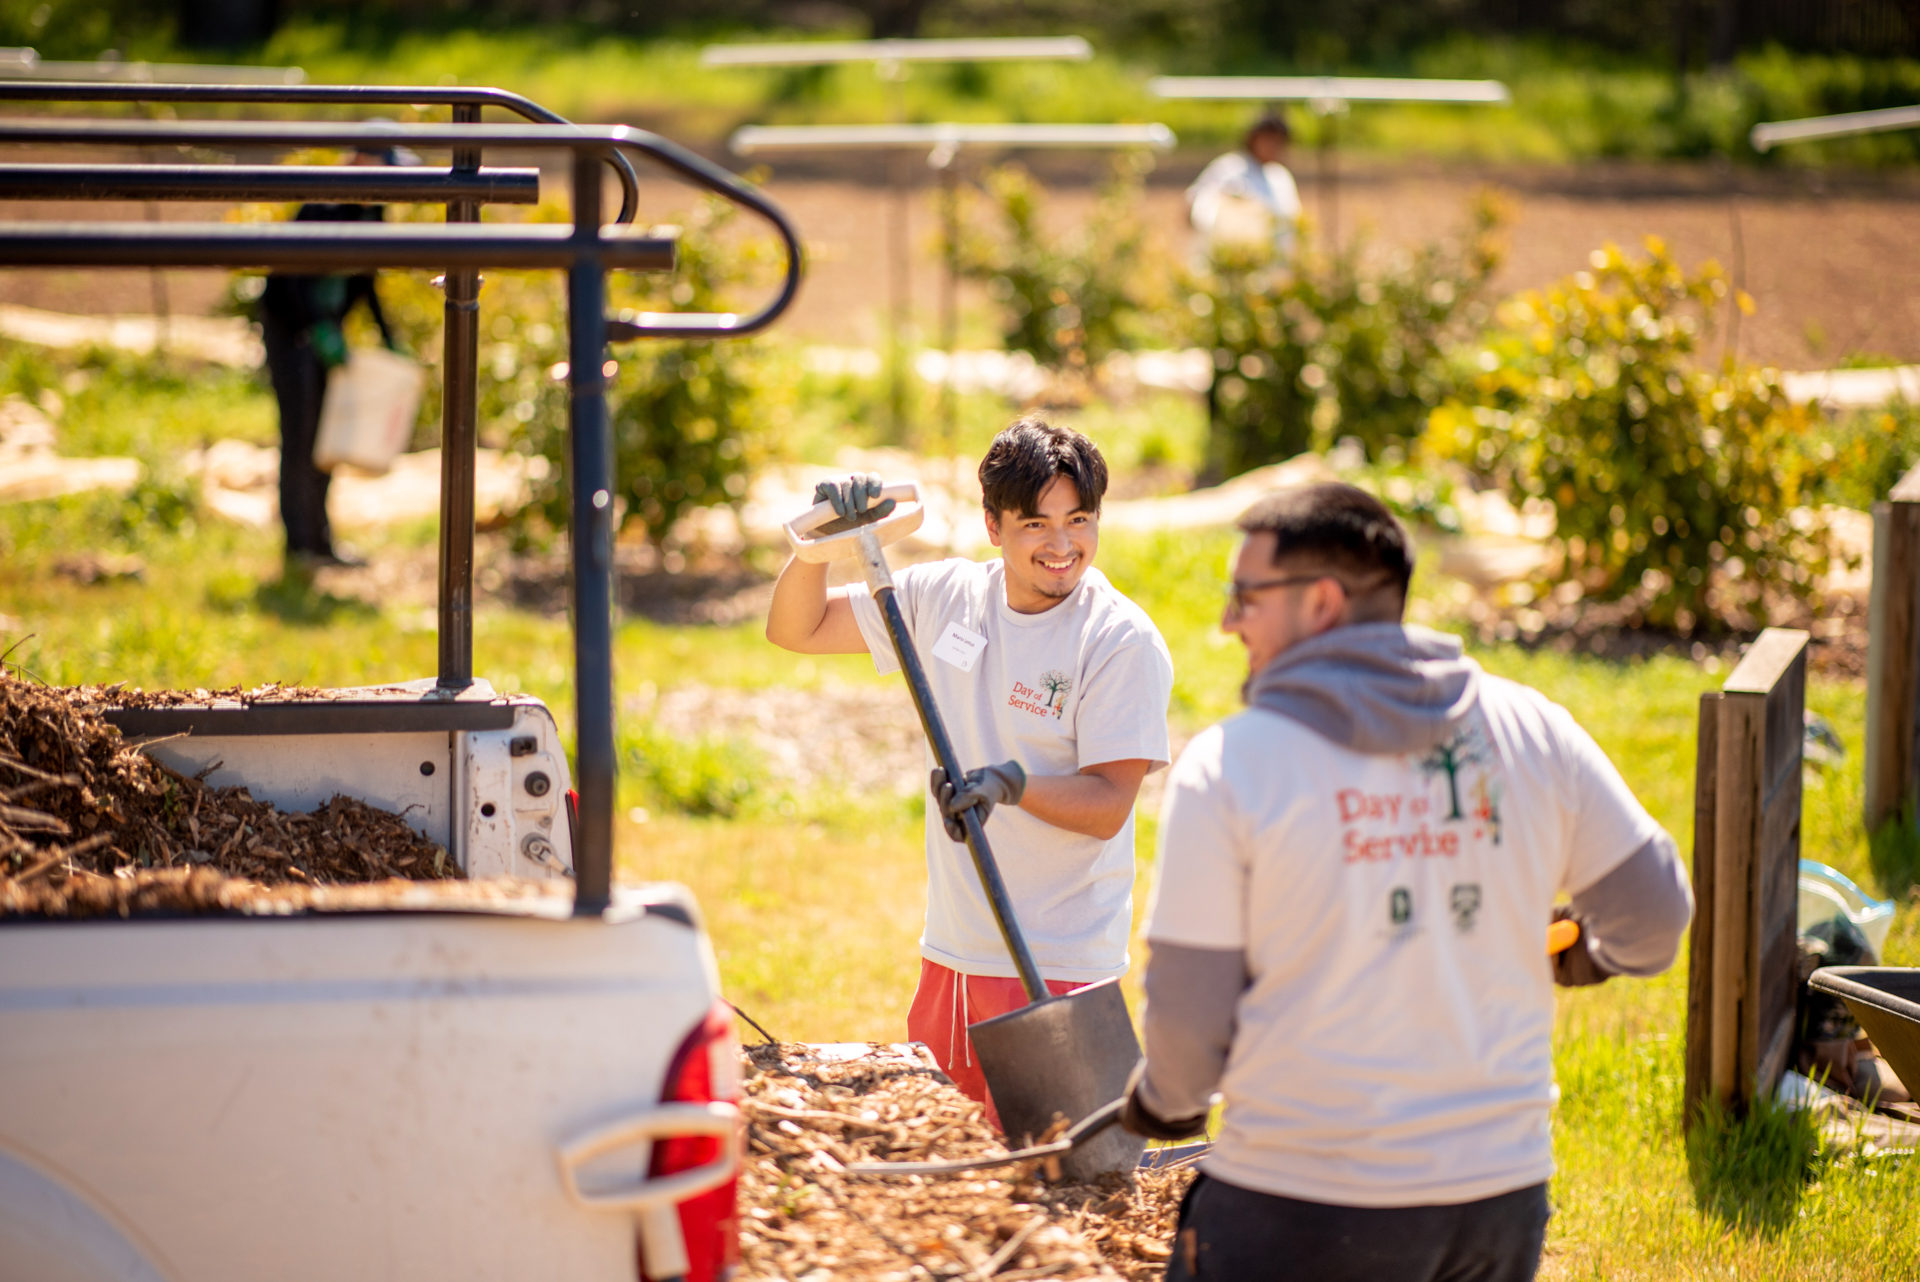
[[299, 383], [1231, 1233]]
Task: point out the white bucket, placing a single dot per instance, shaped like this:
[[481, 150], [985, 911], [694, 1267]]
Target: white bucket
[[367, 416]]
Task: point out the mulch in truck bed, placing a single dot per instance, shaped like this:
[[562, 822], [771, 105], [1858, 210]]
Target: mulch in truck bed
[[91, 826], [804, 1217]]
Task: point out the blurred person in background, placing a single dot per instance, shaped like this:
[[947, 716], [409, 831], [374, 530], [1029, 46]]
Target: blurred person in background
[[1356, 880], [1248, 196], [301, 323]]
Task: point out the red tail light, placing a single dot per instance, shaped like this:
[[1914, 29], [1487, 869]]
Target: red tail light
[[706, 1068]]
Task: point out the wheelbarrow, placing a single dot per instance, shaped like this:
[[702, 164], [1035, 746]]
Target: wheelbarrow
[[1886, 1001], [1068, 1055]]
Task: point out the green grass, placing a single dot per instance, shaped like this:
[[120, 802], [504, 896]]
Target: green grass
[[814, 902]]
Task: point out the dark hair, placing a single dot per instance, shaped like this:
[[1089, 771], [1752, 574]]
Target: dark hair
[[1339, 526], [1027, 455], [1271, 123]]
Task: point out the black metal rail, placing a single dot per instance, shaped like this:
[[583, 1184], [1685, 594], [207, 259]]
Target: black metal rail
[[586, 251], [353, 183], [323, 247], [466, 103]]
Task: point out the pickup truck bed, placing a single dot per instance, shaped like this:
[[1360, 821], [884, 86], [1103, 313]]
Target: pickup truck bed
[[340, 1096]]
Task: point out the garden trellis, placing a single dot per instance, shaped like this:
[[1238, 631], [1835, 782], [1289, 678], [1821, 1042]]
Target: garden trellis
[[1328, 97], [943, 144], [1767, 136], [890, 59], [26, 64]]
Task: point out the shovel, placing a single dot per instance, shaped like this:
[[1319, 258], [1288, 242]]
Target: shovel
[[1067, 1055]]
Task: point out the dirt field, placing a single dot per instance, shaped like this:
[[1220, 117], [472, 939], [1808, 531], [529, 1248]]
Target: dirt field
[[1833, 262], [1834, 273]]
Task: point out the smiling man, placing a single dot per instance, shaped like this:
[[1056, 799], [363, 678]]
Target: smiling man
[[1040, 665]]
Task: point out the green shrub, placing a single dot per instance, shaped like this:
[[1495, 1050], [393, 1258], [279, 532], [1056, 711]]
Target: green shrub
[[1672, 485], [689, 418], [1859, 457], [1070, 299], [704, 776], [1335, 347]]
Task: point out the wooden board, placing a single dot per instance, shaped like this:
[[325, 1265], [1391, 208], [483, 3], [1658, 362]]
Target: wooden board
[[1893, 656], [1700, 934], [1743, 988]]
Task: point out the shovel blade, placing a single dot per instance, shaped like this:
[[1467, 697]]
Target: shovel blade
[[1069, 1055]]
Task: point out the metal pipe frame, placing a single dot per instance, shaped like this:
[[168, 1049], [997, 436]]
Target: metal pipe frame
[[232, 183], [1767, 136], [318, 95], [749, 139], [585, 251], [459, 436], [320, 247], [820, 53], [1328, 89], [464, 187]]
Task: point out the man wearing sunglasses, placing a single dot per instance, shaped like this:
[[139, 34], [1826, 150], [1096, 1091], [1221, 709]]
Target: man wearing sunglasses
[[1348, 931]]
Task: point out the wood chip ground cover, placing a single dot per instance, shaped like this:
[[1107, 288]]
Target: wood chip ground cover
[[91, 826], [804, 1218]]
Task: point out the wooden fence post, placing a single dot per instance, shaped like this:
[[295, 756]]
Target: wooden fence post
[[1700, 936], [1742, 982], [1893, 656]]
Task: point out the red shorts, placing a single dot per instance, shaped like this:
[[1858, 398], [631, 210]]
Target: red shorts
[[947, 1001]]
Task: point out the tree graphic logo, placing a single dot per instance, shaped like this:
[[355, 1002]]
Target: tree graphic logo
[[1466, 748], [1056, 683]]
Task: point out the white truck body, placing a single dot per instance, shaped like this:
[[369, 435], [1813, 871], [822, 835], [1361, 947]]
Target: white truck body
[[356, 1096], [406, 1094]]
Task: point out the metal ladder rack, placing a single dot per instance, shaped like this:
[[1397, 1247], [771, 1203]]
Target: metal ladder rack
[[463, 187], [586, 251]]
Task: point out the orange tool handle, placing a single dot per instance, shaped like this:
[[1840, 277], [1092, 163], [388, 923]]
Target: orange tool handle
[[1562, 935]]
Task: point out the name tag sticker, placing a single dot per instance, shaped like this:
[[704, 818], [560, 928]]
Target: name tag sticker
[[959, 647]]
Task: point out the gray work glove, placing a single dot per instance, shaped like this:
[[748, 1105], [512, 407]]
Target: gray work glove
[[987, 787], [1136, 1117], [1575, 966], [854, 501]]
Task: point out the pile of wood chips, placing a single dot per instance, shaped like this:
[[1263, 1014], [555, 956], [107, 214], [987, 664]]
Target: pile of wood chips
[[804, 1218], [91, 826]]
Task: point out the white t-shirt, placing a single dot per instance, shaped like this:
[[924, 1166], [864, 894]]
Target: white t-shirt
[[1083, 683], [1236, 198], [1395, 1045]]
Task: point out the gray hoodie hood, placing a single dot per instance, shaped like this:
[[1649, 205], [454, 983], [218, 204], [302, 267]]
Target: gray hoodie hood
[[1372, 687]]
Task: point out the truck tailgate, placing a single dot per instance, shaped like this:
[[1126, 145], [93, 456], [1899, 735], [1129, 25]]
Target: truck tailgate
[[372, 1096]]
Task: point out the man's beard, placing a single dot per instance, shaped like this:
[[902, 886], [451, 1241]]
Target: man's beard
[[1047, 590]]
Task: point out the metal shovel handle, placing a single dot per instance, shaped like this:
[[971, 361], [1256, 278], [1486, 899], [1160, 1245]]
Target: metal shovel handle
[[865, 542], [983, 861], [891, 528]]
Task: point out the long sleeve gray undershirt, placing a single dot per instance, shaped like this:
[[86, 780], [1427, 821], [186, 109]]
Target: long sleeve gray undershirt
[[1633, 918], [1632, 921]]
